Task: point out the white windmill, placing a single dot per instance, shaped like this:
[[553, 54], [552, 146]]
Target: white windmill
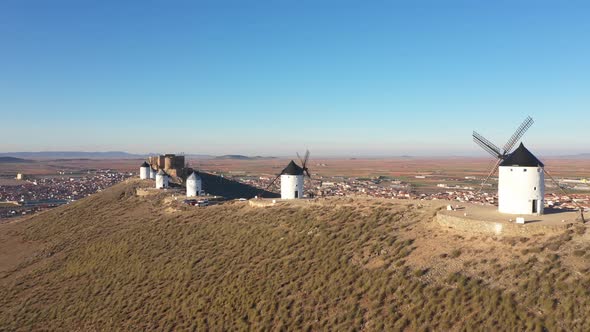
[[161, 180], [144, 171], [152, 173], [292, 178], [194, 185], [521, 180]]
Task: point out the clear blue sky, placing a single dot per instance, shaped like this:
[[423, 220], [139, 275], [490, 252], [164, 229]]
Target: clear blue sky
[[272, 78]]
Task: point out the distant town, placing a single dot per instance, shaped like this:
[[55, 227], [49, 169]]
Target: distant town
[[383, 187], [23, 194], [28, 194]]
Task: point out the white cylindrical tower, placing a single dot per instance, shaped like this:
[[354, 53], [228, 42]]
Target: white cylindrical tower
[[521, 183], [292, 181], [193, 185], [161, 180], [152, 173], [144, 171]]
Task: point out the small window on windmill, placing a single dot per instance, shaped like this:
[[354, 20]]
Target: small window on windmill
[[511, 170], [535, 188], [524, 170]]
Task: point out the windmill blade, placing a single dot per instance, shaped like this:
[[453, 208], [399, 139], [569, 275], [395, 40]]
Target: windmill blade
[[273, 181], [526, 124], [490, 166], [488, 146], [307, 173], [262, 191], [305, 159], [492, 171], [299, 157], [565, 193]]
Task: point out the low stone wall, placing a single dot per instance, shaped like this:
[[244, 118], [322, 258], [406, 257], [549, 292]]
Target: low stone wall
[[9, 204], [153, 191], [262, 202], [146, 191], [265, 202], [474, 226]]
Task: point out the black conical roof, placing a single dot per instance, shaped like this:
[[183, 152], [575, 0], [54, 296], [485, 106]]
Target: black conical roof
[[292, 169], [195, 173], [145, 164], [522, 157]]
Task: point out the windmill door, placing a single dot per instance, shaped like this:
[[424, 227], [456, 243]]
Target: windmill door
[[534, 206], [296, 193]]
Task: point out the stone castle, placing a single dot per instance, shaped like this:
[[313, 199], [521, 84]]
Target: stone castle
[[172, 164]]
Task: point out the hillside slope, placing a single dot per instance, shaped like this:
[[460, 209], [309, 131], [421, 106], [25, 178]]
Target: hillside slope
[[115, 261]]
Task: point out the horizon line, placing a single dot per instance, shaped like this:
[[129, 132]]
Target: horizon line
[[132, 155]]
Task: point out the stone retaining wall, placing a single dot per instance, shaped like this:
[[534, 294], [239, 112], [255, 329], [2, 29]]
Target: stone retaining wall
[[262, 202], [468, 225]]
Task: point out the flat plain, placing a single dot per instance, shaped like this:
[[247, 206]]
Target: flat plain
[[401, 167]]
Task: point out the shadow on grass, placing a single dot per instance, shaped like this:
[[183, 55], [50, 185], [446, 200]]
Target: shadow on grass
[[557, 211], [219, 186]]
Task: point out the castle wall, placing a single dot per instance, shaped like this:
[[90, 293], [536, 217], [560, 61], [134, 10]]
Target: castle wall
[[173, 165]]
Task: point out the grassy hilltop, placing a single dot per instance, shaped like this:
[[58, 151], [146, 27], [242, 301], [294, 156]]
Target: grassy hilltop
[[115, 261]]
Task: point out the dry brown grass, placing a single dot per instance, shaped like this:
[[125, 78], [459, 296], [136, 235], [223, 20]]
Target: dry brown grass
[[115, 261]]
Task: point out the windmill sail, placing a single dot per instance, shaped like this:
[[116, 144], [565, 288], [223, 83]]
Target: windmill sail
[[495, 151]]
